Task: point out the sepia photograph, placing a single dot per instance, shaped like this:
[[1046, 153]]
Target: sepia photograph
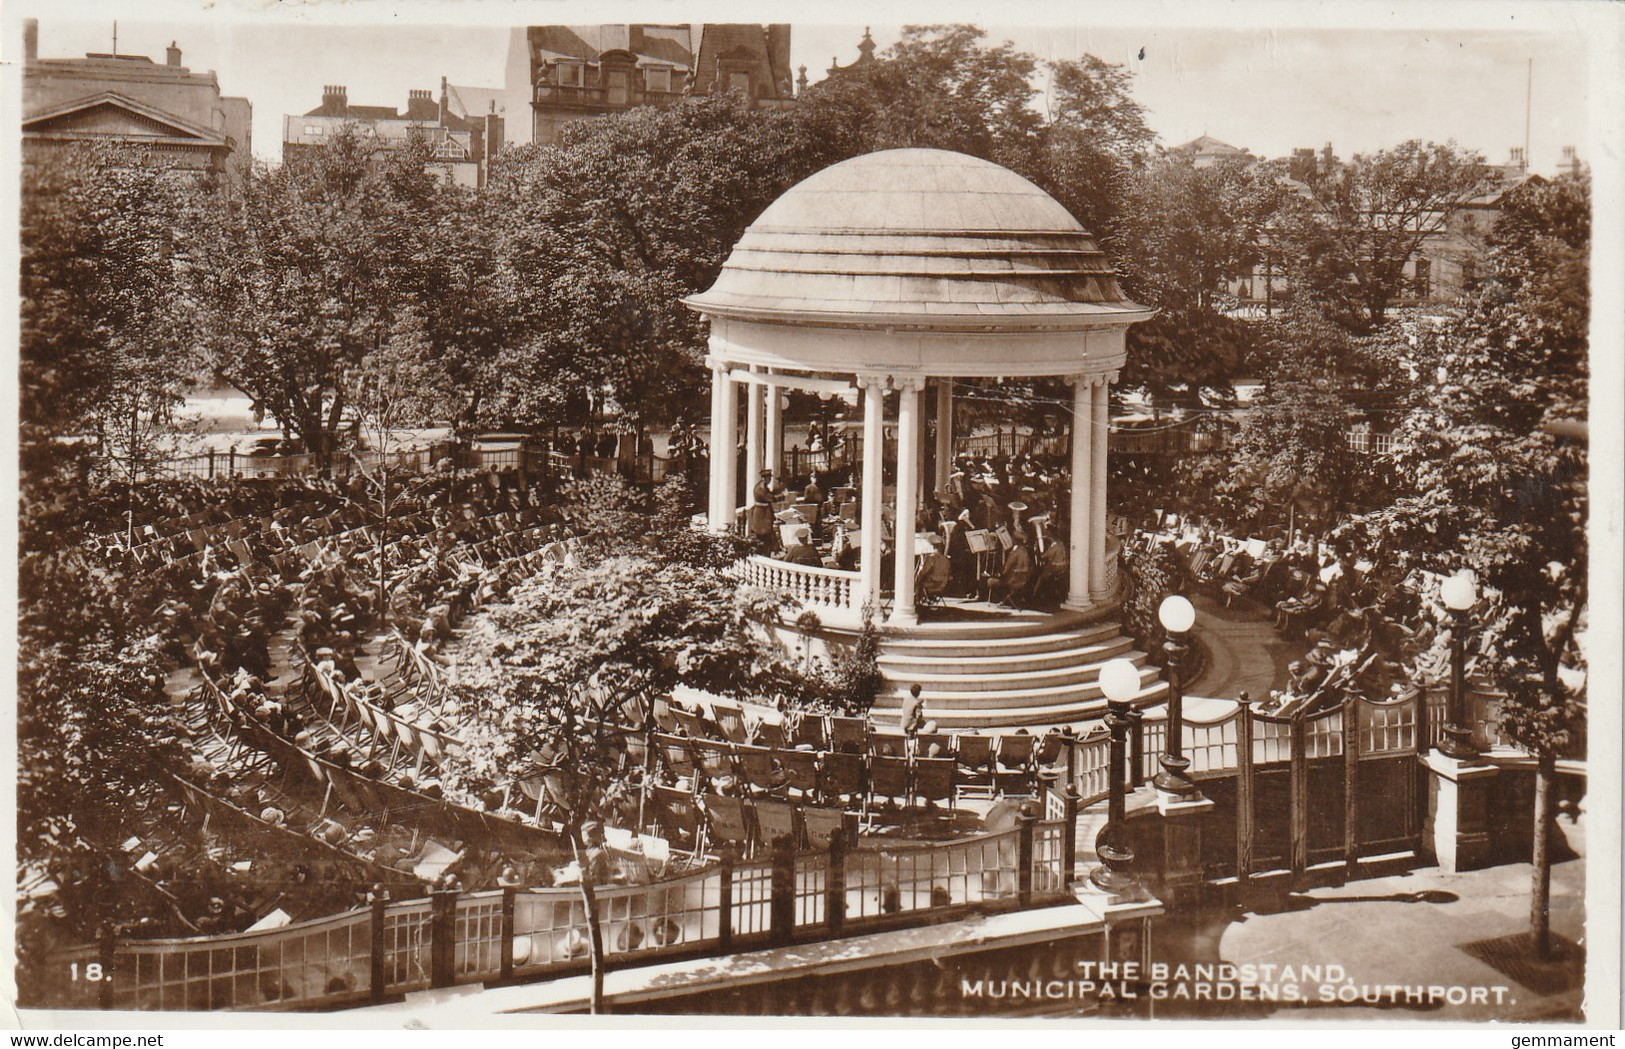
[[1046, 513]]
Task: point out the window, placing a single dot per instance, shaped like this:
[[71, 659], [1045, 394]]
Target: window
[[567, 74], [657, 79], [617, 84], [739, 82], [1424, 278], [1469, 273]]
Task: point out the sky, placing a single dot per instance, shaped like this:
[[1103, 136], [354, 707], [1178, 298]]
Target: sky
[[1256, 80]]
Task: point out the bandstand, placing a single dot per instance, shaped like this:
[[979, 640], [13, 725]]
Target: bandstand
[[889, 276]]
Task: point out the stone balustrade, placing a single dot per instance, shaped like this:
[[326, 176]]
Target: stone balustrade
[[830, 593]]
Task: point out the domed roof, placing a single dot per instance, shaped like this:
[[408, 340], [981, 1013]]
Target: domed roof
[[918, 236]]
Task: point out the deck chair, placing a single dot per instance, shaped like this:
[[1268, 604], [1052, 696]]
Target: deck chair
[[888, 777], [714, 759], [727, 819], [822, 825], [1012, 770], [770, 734], [840, 776], [934, 780], [730, 721], [678, 815], [800, 770], [691, 723], [1048, 751], [631, 865], [434, 860], [759, 768], [973, 756], [674, 753], [775, 821], [849, 735], [943, 743], [810, 731], [888, 744]]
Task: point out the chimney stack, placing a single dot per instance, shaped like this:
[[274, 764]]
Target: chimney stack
[[173, 54], [30, 40], [335, 100], [420, 104], [1517, 160]]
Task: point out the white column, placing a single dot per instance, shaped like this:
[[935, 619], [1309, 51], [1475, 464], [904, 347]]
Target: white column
[[874, 456], [753, 435], [909, 445], [1078, 549], [945, 430], [724, 440], [775, 432], [1099, 587]]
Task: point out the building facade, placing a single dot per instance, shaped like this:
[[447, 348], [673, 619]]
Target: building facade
[[581, 72], [461, 143], [178, 117]]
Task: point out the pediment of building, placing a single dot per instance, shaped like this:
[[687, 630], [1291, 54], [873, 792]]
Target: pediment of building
[[110, 115]]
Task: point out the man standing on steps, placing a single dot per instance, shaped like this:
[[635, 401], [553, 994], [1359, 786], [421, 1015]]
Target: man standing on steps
[[913, 712]]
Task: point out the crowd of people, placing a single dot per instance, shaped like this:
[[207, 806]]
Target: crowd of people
[[261, 570], [1358, 632], [996, 531]]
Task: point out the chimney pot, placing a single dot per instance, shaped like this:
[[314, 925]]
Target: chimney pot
[[30, 40], [173, 54]]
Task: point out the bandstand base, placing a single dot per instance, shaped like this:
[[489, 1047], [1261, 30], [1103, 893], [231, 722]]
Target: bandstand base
[[987, 668]]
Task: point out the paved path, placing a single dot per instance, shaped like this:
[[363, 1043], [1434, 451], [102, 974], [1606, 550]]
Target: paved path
[[1424, 927], [1243, 650]]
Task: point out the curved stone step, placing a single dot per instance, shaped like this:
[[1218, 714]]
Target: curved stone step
[[998, 661], [943, 700], [1029, 678], [1045, 641], [991, 622], [1072, 712]]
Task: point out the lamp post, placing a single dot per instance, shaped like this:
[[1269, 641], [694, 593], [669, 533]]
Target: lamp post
[[1177, 616], [1459, 596], [1120, 682]]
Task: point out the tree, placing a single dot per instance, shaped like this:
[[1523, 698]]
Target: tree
[[106, 337], [607, 232], [1095, 140], [1196, 228], [307, 269], [938, 87], [94, 735], [1490, 488], [398, 386], [1347, 239], [462, 300], [584, 651], [1290, 458]]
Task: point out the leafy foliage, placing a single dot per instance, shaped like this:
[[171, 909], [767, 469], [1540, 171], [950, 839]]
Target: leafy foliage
[[91, 712], [1151, 576], [1347, 239], [1486, 487], [308, 269]]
